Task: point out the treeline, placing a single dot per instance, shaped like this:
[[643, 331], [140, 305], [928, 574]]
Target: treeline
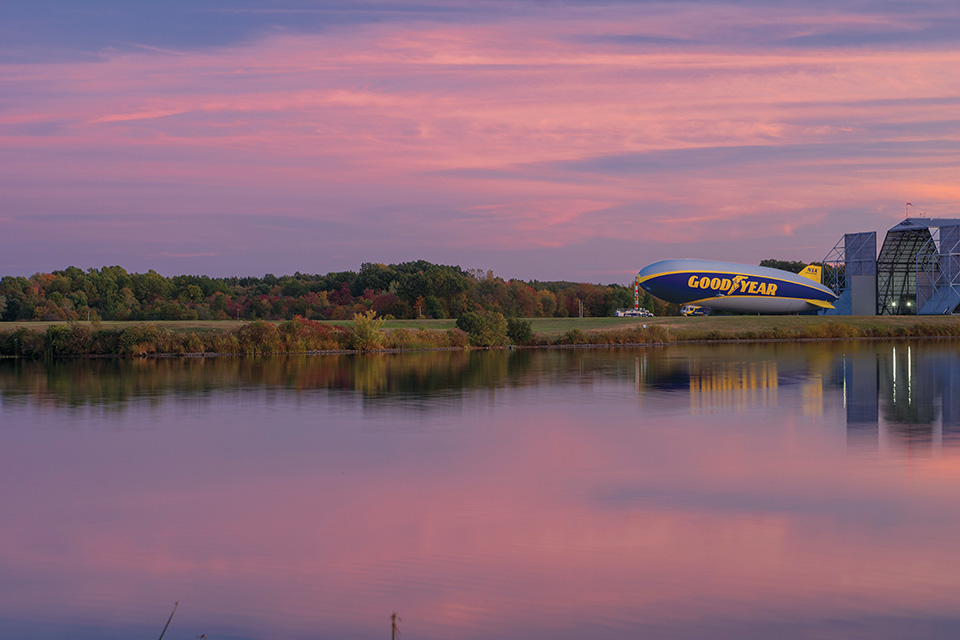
[[793, 266], [830, 271], [405, 290]]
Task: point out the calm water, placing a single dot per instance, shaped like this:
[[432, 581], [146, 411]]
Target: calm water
[[789, 491]]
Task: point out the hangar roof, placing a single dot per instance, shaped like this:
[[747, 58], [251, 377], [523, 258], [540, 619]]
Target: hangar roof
[[924, 223]]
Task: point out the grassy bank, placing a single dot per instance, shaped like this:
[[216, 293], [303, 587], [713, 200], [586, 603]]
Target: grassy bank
[[300, 335]]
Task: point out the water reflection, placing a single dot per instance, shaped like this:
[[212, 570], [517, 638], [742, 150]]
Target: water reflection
[[904, 392], [907, 388], [679, 492], [907, 392], [117, 381]]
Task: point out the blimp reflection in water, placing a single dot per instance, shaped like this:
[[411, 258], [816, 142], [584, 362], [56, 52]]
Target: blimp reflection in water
[[742, 288]]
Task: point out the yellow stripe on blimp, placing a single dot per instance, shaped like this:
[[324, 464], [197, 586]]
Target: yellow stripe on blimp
[[702, 272], [706, 301]]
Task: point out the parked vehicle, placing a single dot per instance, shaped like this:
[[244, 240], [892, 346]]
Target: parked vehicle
[[694, 310], [633, 313]]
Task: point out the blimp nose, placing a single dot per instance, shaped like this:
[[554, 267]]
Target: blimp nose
[[649, 270]]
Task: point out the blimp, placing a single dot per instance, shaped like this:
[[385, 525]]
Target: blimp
[[740, 288]]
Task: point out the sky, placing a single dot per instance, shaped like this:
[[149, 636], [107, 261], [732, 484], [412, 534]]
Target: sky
[[551, 140]]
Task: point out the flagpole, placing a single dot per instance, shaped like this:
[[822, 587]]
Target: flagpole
[[906, 210]]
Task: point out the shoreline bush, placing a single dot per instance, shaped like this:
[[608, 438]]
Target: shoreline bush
[[484, 329], [519, 330], [365, 334]]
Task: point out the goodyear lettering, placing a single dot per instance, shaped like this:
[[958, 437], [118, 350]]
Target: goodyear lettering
[[736, 285]]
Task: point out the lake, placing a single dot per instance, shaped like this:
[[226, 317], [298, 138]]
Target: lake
[[720, 491]]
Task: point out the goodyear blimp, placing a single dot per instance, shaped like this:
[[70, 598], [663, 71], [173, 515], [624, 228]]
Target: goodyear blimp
[[741, 288]]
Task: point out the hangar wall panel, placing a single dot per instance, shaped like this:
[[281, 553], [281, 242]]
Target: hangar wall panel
[[863, 295], [860, 251]]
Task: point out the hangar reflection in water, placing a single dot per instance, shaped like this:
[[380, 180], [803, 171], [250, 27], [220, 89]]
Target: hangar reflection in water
[[907, 391], [892, 393]]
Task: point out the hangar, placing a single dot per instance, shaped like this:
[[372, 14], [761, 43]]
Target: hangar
[[917, 271]]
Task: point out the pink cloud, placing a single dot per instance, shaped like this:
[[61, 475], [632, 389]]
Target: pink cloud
[[492, 119]]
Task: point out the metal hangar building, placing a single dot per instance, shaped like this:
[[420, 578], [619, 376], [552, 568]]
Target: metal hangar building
[[917, 271]]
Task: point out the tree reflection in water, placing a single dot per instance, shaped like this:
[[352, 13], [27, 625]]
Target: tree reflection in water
[[909, 385]]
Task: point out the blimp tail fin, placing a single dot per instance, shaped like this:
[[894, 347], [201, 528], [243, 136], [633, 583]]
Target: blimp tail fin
[[823, 304], [813, 272]]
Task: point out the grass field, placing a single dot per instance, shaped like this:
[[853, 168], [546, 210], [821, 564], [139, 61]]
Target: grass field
[[739, 324], [678, 326]]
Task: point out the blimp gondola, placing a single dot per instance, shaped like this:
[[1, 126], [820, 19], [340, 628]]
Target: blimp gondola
[[739, 288]]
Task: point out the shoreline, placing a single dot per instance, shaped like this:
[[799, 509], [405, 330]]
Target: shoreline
[[306, 337]]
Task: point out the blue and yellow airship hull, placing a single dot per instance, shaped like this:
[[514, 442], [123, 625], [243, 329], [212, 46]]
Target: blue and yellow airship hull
[[729, 286]]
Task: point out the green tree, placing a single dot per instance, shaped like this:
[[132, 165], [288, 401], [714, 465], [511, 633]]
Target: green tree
[[56, 341], [373, 276], [433, 307], [190, 293], [486, 328], [792, 266], [519, 330], [620, 298], [292, 287], [469, 322]]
